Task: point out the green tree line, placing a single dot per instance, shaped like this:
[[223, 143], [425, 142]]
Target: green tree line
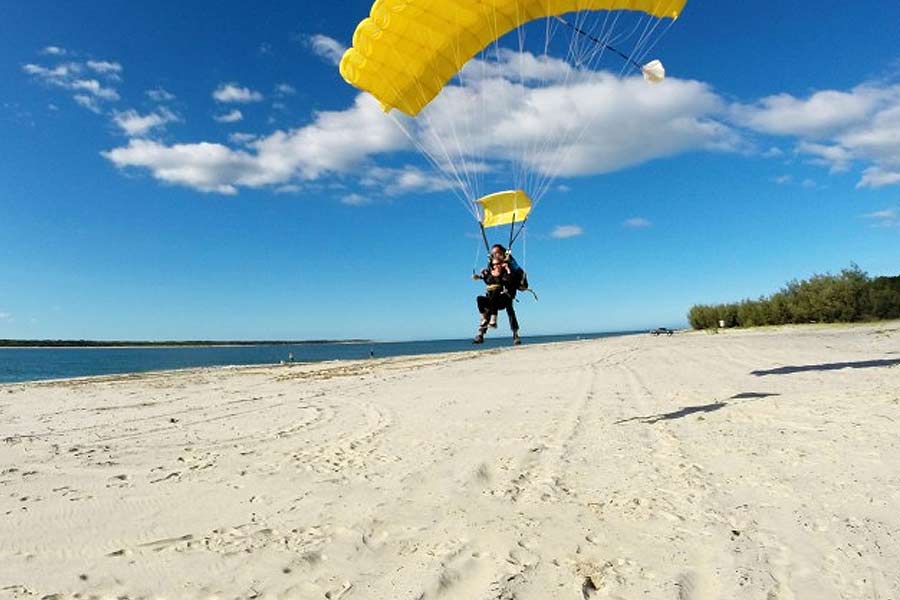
[[848, 297]]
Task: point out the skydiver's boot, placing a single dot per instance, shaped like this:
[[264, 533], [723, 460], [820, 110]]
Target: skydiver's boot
[[482, 329], [517, 341], [493, 321]]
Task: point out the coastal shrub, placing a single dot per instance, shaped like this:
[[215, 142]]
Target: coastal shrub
[[844, 298]]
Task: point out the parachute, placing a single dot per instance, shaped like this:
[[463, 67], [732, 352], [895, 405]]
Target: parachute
[[450, 73]]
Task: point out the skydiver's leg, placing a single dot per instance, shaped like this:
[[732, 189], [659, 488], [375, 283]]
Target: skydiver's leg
[[484, 307], [513, 321]]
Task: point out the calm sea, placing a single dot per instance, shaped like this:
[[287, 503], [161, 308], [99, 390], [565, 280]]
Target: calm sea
[[33, 364]]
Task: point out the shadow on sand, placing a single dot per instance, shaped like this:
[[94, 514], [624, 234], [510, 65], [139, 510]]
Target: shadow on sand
[[692, 410], [862, 364]]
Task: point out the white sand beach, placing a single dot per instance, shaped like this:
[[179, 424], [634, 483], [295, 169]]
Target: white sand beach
[[755, 464]]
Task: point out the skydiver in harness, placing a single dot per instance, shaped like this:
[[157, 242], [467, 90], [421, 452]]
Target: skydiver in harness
[[500, 281]]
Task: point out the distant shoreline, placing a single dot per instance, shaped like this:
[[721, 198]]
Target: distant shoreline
[[166, 344]]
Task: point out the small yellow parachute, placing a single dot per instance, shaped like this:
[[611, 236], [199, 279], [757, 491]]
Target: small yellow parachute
[[406, 51], [505, 208]]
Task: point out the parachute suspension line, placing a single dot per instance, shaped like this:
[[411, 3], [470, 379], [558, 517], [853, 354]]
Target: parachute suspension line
[[487, 244], [513, 238], [449, 165], [655, 41], [538, 146], [587, 58], [456, 186], [477, 256], [520, 171], [462, 155], [598, 41], [554, 141], [649, 26]]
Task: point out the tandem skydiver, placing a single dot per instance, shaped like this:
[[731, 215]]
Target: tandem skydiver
[[501, 286]]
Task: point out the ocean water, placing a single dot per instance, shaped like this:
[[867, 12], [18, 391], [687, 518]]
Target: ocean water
[[35, 364]]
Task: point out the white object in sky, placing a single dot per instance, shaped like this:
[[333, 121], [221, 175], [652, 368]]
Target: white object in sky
[[654, 71]]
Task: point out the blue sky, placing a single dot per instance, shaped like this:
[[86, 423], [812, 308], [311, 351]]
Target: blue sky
[[202, 171]]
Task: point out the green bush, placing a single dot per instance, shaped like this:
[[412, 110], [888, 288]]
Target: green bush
[[845, 298]]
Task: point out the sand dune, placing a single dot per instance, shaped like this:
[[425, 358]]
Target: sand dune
[[741, 465]]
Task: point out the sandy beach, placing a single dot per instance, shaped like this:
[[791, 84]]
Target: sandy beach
[[754, 464]]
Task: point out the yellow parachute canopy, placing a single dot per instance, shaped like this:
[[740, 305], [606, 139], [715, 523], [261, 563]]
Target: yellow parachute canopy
[[504, 208], [406, 51]]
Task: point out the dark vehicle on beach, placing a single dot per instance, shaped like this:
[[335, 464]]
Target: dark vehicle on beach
[[662, 331]]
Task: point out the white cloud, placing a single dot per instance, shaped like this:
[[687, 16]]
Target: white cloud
[[819, 115], [596, 124], [242, 139], [234, 93], [104, 67], [53, 51], [333, 143], [160, 95], [837, 128], [889, 217], [405, 180], [835, 157], [876, 177], [232, 117], [88, 102], [637, 223], [57, 74], [327, 48], [206, 167], [66, 76], [355, 200], [563, 232], [95, 88], [284, 89], [522, 67], [134, 124], [783, 179]]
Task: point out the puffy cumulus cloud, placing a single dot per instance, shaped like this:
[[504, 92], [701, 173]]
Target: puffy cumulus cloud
[[595, 124], [819, 115], [637, 223], [206, 167], [334, 143], [326, 48], [563, 232], [134, 124], [234, 93], [53, 51], [230, 117], [836, 129]]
